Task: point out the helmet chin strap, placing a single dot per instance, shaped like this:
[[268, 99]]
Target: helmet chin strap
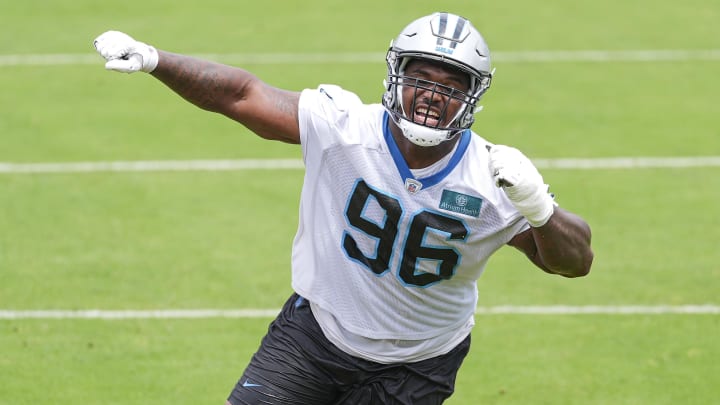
[[421, 135]]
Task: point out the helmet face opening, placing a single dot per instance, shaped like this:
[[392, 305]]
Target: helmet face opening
[[445, 39], [431, 103]]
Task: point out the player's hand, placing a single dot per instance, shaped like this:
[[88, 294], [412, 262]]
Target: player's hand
[[522, 183], [124, 54]]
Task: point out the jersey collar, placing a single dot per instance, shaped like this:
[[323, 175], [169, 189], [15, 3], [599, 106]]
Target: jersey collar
[[412, 184]]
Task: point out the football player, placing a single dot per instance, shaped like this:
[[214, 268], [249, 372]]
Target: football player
[[402, 205]]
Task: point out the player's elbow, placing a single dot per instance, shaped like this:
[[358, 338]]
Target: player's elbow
[[574, 273], [579, 267]]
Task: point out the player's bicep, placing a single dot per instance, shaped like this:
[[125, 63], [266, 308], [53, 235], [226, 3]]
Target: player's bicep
[[269, 112]]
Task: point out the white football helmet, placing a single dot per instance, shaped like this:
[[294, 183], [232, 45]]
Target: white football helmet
[[446, 38]]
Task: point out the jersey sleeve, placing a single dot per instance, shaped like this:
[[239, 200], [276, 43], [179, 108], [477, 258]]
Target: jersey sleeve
[[324, 113]]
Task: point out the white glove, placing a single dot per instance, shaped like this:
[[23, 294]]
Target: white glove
[[522, 183], [124, 54]]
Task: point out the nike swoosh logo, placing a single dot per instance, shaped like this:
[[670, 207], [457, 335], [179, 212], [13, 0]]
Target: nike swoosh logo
[[248, 384]]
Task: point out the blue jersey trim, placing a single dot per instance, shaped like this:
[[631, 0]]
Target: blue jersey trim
[[403, 168]]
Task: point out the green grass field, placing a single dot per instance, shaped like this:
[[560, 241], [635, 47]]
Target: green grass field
[[221, 239]]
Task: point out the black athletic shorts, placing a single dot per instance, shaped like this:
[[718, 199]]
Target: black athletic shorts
[[296, 364]]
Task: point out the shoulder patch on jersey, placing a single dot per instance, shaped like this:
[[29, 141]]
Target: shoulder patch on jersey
[[460, 203]]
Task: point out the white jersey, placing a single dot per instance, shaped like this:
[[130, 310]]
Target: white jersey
[[384, 256]]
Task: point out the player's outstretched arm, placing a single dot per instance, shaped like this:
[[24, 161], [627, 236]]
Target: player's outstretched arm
[[558, 241], [270, 112]]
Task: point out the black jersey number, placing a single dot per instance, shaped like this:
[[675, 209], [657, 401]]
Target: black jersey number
[[386, 232]]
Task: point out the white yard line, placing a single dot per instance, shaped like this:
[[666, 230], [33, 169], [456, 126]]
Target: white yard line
[[269, 313], [152, 166], [138, 314], [600, 309], [640, 55], [628, 162], [284, 164]]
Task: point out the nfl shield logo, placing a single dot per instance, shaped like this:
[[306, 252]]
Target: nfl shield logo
[[412, 186]]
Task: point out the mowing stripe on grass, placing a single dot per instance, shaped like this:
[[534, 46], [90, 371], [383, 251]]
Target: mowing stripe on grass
[[642, 55], [269, 313], [282, 164]]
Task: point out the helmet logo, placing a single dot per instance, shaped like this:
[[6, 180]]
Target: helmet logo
[[459, 32], [443, 49]]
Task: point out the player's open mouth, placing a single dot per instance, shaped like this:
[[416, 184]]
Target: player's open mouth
[[427, 116]]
